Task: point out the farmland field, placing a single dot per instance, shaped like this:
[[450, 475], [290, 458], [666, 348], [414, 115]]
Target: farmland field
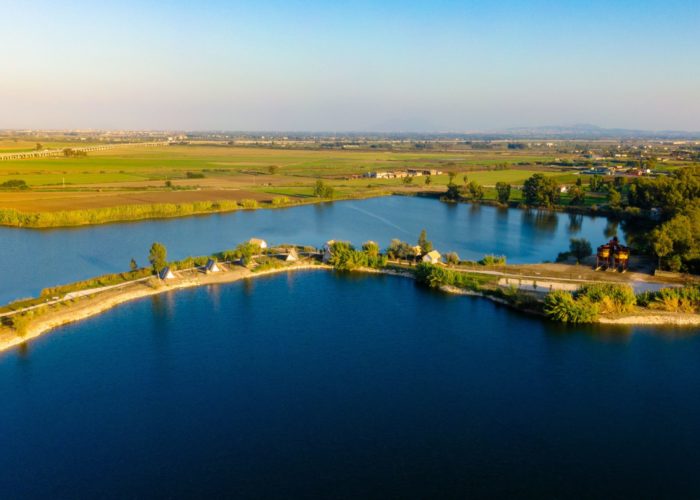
[[193, 173]]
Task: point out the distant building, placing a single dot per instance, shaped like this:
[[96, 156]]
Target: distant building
[[258, 242], [432, 257], [166, 274]]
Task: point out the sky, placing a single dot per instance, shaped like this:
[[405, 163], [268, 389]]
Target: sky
[[412, 66]]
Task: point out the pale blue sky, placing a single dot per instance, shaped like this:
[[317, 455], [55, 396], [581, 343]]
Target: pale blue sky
[[312, 65]]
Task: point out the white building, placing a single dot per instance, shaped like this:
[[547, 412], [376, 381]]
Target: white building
[[432, 257], [258, 242]]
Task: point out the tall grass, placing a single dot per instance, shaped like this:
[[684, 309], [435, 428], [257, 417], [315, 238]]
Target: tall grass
[[14, 218], [685, 299], [611, 298]]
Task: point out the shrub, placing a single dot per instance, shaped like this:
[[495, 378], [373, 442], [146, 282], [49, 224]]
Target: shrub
[[437, 276], [344, 257], [563, 257], [249, 204], [266, 263], [280, 200], [20, 322], [14, 184], [244, 252], [610, 297], [493, 260], [561, 306], [686, 299]]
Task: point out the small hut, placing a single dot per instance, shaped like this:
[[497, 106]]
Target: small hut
[[290, 255], [166, 274], [432, 257], [211, 267]]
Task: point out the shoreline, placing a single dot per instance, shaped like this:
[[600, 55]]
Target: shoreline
[[103, 301], [200, 213], [434, 195]]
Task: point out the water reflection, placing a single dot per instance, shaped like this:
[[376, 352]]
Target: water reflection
[[540, 220], [470, 230], [611, 228], [575, 223]]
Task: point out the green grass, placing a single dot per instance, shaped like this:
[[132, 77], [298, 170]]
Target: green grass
[[140, 163], [49, 179]]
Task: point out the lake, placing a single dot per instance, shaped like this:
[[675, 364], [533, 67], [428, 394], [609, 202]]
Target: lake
[[318, 384], [34, 259]]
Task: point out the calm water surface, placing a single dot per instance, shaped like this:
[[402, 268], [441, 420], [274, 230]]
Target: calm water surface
[[324, 385], [34, 259]]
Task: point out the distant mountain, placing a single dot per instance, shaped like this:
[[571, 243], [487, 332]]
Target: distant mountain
[[587, 131]]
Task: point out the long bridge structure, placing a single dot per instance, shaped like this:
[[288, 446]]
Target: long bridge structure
[[23, 155]]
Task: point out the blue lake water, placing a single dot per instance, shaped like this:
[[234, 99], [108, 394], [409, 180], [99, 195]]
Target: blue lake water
[[34, 259], [323, 385]]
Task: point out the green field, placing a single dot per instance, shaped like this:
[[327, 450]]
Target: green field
[[182, 179], [140, 163]]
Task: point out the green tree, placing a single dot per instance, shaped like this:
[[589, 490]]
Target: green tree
[[407, 180], [596, 183], [370, 248], [452, 258], [465, 179], [245, 252], [133, 265], [577, 195], [273, 169], [454, 192], [158, 256], [614, 199], [451, 176], [476, 192], [400, 250], [541, 191], [39, 146], [323, 190], [663, 244], [503, 192], [427, 180], [580, 248], [423, 242]]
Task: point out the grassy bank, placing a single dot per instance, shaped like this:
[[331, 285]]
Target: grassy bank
[[126, 213]]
